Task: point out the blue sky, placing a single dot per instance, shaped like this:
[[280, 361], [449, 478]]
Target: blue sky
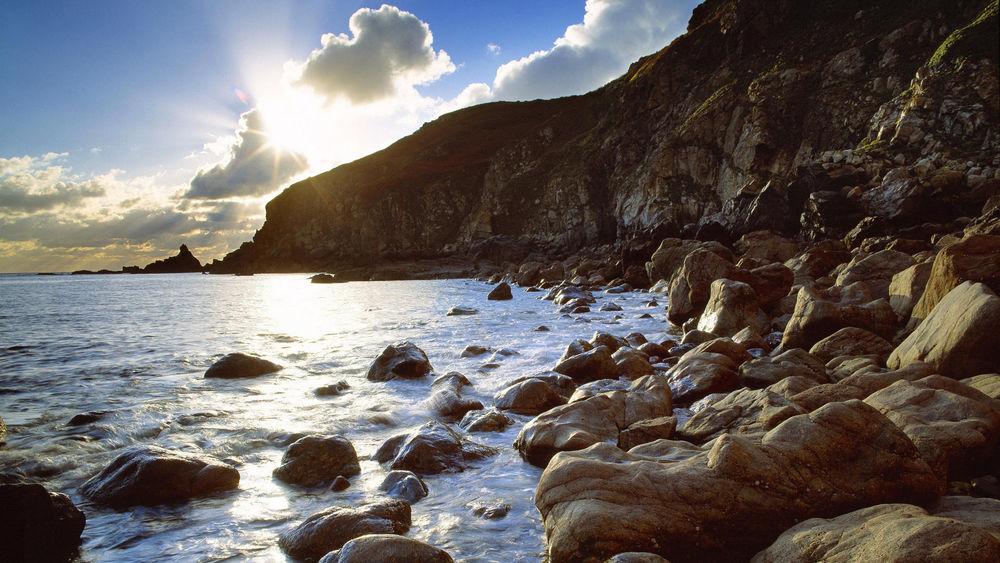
[[131, 127]]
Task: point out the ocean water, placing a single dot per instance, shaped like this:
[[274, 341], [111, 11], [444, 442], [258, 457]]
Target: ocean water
[[138, 346]]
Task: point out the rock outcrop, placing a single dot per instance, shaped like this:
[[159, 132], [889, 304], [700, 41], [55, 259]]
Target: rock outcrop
[[184, 262]]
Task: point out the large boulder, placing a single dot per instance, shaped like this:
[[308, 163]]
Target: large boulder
[[486, 420], [36, 524], [331, 528], [906, 288], [729, 502], [851, 341], [702, 373], [598, 418], [766, 245], [591, 365], [770, 282], [532, 396], [959, 337], [500, 293], [858, 385], [405, 485], [768, 370], [632, 364], [448, 404], [893, 532], [976, 259], [432, 448], [817, 260], [388, 548], [732, 306], [876, 270], [313, 460], [403, 360], [746, 412], [691, 286], [239, 365], [818, 315], [150, 475]]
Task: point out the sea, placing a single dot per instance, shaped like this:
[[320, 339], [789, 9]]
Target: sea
[[135, 348]]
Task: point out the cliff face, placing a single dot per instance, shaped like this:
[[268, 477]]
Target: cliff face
[[730, 128]]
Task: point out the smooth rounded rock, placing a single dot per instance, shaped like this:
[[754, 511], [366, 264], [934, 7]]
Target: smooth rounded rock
[[401, 360], [37, 525], [331, 528], [387, 548], [313, 460], [239, 365]]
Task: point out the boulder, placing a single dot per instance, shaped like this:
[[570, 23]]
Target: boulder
[[986, 383], [976, 259], [959, 337], [851, 341], [729, 502], [906, 288], [766, 245], [645, 431], [239, 365], [610, 306], [858, 386], [691, 286], [387, 547], [636, 557], [3, 432], [766, 371], [432, 448], [149, 475], [889, 532], [331, 528], [575, 347], [313, 460], [500, 293], [532, 396], [770, 283], [746, 412], [405, 485], [732, 306], [490, 510], [591, 365], [599, 418], [332, 389], [486, 420], [818, 315], [36, 524], [876, 270], [566, 294], [699, 374], [461, 311], [402, 359], [472, 350], [322, 278], [817, 260], [449, 405], [632, 364]]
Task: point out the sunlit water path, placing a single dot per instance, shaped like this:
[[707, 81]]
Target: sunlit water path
[[138, 346]]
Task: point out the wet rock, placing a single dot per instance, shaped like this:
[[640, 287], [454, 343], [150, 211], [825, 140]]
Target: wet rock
[[486, 420], [36, 524], [851, 341], [746, 412], [313, 460], [594, 388], [461, 311], [632, 364], [587, 366], [700, 374], [645, 431], [732, 306], [636, 557], [447, 404], [405, 485], [340, 483], [652, 349], [490, 510], [473, 350], [976, 259], [432, 448], [331, 528], [322, 278], [150, 475], [770, 283], [532, 396], [561, 384], [609, 307], [891, 532], [734, 499], [695, 337], [500, 293], [333, 389], [579, 424], [906, 288], [403, 360], [876, 270], [575, 347], [3, 431], [609, 341], [565, 295], [959, 337], [819, 315], [387, 547], [239, 365], [81, 419]]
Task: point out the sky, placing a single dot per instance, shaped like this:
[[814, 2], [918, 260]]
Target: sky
[[129, 128]]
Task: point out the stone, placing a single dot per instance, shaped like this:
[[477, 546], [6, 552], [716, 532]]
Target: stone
[[400, 360], [78, 420], [645, 431], [314, 460], [598, 418], [239, 365], [333, 389], [731, 307], [770, 283], [565, 295], [447, 404], [331, 528], [609, 341], [591, 365], [500, 293], [594, 388], [888, 532], [388, 548], [654, 350], [876, 270], [183, 262], [858, 386], [494, 510], [734, 499], [766, 245], [986, 383], [405, 485], [486, 420], [636, 557], [695, 337], [452, 380], [432, 448], [461, 311], [150, 475], [975, 258], [745, 412], [37, 524], [532, 396], [699, 374], [575, 347], [609, 307], [691, 286], [818, 315], [322, 278], [959, 337], [472, 350], [632, 364], [906, 288], [817, 260], [340, 483], [851, 341]]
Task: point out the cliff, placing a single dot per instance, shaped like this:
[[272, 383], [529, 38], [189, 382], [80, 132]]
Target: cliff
[[810, 118]]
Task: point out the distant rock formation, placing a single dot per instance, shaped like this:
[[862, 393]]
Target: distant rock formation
[[184, 262]]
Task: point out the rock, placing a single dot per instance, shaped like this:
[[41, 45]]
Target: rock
[[690, 287], [858, 386], [635, 339], [461, 311], [561, 384], [447, 404], [636, 557], [645, 431], [954, 427], [500, 293], [817, 316], [770, 283], [766, 245], [727, 503], [432, 448], [3, 432], [745, 412], [587, 366], [851, 341], [766, 371], [490, 510], [594, 388], [340, 483], [402, 359], [751, 339], [695, 337], [313, 460], [632, 364], [36, 524], [77, 420], [532, 396], [700, 374], [565, 295], [888, 532], [331, 528], [876, 270], [575, 347], [906, 288], [959, 337], [486, 420], [986, 383], [472, 351], [732, 306], [184, 262], [652, 349], [332, 389], [388, 548], [405, 485], [609, 307], [579, 424], [238, 365], [817, 260], [322, 278], [976, 259], [149, 475], [609, 341]]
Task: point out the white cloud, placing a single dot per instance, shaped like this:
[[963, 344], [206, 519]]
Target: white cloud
[[493, 48], [391, 50], [255, 167], [30, 184]]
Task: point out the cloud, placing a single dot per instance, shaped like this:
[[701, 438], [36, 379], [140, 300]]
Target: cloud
[[391, 50], [29, 184], [614, 33], [256, 166], [493, 48]]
